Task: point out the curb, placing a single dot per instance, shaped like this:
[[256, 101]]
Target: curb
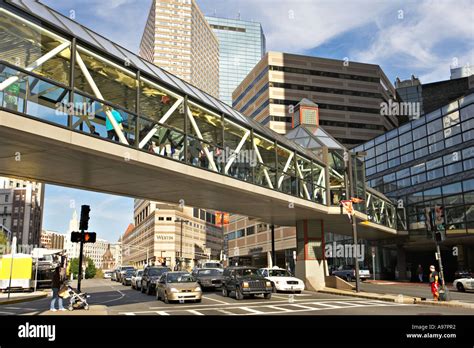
[[395, 298], [23, 299]]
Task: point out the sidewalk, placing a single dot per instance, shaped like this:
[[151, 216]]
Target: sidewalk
[[93, 310], [396, 298], [18, 297]]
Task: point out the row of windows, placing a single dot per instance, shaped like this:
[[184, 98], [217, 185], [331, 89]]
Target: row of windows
[[392, 153], [228, 28], [325, 90], [324, 73], [249, 87], [329, 106], [243, 232]]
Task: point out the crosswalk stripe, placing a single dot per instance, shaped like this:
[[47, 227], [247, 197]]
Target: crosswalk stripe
[[129, 313], [162, 313], [279, 308], [194, 312], [325, 304], [350, 304], [251, 310], [223, 311], [306, 307]]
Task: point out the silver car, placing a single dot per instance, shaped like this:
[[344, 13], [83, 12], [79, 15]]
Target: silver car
[[137, 279]]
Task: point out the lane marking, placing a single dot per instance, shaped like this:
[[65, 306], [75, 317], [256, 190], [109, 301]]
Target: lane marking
[[162, 313], [325, 304], [280, 308], [225, 312], [213, 299], [250, 310], [130, 313], [306, 307], [194, 312]]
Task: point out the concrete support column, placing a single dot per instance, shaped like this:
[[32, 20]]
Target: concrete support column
[[401, 263], [310, 262]]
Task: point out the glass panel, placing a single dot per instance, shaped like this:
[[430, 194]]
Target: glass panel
[[45, 101], [467, 112], [434, 174], [208, 123], [452, 188], [90, 117], [319, 184], [155, 102], [199, 157], [304, 177], [117, 85], [245, 158], [22, 44]]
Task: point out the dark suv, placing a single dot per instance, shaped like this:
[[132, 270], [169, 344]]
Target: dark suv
[[245, 281], [150, 276]]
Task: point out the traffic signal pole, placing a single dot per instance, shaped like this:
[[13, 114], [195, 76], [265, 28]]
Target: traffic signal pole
[[80, 261]]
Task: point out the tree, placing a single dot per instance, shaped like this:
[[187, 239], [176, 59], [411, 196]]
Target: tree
[[90, 268]]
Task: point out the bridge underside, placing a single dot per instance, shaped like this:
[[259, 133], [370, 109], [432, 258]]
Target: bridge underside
[[39, 151]]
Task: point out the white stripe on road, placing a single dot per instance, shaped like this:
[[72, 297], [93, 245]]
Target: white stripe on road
[[280, 308], [223, 311], [194, 312], [162, 313], [306, 307], [250, 310], [213, 299], [325, 304], [131, 313], [351, 304]]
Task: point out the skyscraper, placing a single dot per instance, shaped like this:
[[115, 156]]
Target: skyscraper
[[21, 209], [241, 46], [349, 95], [178, 39]]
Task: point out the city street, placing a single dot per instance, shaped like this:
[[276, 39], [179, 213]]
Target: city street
[[413, 289], [122, 300]]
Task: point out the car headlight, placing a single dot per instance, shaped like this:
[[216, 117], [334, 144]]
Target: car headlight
[[174, 290], [268, 284], [198, 289], [245, 285]]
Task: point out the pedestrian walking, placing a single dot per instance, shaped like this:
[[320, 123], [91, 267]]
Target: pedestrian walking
[[111, 133], [420, 273], [434, 283], [56, 285]]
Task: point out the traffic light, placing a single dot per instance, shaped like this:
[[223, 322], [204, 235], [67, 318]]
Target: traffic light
[[89, 237], [75, 237], [84, 223], [86, 237]]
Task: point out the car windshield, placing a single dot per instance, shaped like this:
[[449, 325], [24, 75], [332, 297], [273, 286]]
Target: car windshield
[[212, 265], [158, 271], [278, 273], [139, 273], [127, 268], [180, 278], [246, 272], [209, 272], [129, 271]]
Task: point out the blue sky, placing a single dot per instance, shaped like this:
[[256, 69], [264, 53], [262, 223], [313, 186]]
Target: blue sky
[[420, 37]]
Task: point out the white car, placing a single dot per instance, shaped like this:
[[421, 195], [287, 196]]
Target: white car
[[464, 284], [137, 279], [282, 280]]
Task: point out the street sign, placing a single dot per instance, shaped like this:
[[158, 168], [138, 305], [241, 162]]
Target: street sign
[[373, 251], [437, 256]]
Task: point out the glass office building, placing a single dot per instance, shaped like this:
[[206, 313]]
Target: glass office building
[[241, 46], [429, 163]]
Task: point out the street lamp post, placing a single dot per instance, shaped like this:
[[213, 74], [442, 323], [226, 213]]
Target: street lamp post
[[182, 221], [350, 194]]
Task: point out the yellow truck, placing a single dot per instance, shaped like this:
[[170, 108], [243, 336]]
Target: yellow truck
[[21, 272]]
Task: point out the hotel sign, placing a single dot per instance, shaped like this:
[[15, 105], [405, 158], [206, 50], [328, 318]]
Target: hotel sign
[[164, 237]]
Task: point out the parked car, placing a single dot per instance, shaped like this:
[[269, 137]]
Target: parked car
[[127, 277], [282, 280], [137, 279], [462, 274], [114, 275], [245, 281], [209, 277], [150, 276], [178, 286], [121, 271], [108, 274], [463, 284], [348, 274]]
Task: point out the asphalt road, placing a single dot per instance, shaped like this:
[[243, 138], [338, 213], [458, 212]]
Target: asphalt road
[[122, 300], [413, 289]]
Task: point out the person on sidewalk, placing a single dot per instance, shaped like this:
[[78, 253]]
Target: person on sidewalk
[[420, 273], [434, 283], [56, 285]]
